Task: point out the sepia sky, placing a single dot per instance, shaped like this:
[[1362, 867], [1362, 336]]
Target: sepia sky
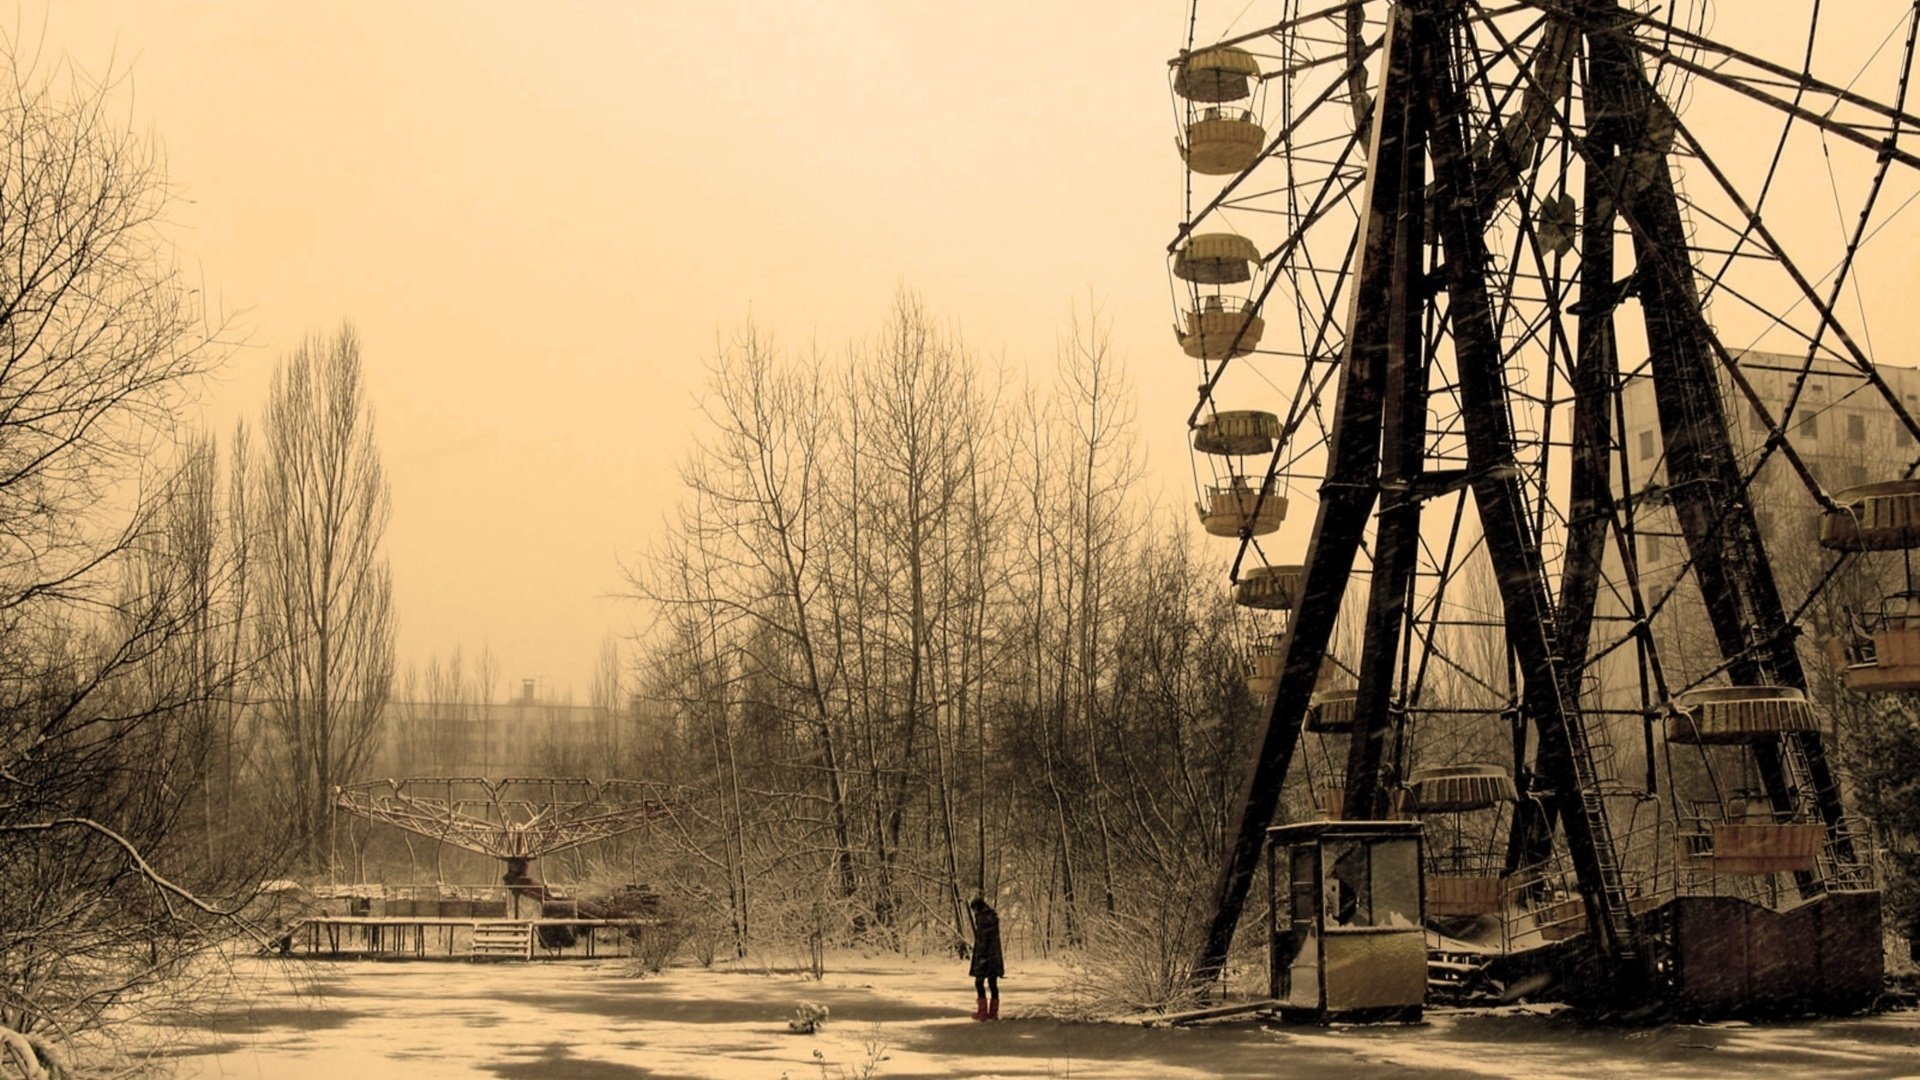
[[539, 217]]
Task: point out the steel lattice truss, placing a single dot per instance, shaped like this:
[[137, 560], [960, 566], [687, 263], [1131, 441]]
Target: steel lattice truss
[[515, 818], [1444, 241]]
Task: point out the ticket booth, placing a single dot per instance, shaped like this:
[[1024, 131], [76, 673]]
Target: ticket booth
[[1347, 939]]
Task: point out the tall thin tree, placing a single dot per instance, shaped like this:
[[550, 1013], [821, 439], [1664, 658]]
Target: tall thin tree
[[326, 603]]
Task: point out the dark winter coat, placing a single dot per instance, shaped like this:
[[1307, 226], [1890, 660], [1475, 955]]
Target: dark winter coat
[[987, 963]]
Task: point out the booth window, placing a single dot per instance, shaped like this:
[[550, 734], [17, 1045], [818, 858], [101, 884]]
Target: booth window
[[1396, 884], [1349, 885], [1363, 887]]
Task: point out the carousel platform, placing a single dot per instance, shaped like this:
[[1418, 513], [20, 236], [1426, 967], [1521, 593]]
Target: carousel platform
[[432, 937]]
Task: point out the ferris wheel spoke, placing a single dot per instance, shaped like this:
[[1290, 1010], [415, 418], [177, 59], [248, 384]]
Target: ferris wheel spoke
[[1327, 303], [1549, 696], [1878, 184], [1753, 221], [1285, 25], [1742, 601], [1445, 568], [1875, 137], [1828, 318], [1699, 463], [1782, 75], [1329, 334], [1619, 195], [1628, 589], [1327, 197], [1546, 81], [1616, 191]]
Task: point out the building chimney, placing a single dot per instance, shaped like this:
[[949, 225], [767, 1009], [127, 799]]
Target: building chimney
[[526, 691]]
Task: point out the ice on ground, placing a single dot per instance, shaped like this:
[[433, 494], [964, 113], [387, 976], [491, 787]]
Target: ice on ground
[[894, 1018]]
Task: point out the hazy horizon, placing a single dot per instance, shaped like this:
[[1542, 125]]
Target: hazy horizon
[[540, 222]]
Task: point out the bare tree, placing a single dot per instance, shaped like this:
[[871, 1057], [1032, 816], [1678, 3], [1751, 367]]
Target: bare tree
[[98, 336], [237, 641], [447, 710], [1040, 695], [1097, 394], [486, 676], [106, 581], [691, 674], [608, 697], [758, 529], [209, 556], [110, 721], [326, 619], [927, 410], [880, 575]]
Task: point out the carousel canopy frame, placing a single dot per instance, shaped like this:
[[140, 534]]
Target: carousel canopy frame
[[513, 818]]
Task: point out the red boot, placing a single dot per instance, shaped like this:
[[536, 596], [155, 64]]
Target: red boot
[[993, 1009], [980, 1010]]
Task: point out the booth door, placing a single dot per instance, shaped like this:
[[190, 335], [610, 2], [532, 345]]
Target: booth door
[[1374, 954], [1301, 985]]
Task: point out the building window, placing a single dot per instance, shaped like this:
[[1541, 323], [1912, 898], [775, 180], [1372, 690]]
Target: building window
[[1809, 426], [1856, 427], [1646, 446], [1649, 549]]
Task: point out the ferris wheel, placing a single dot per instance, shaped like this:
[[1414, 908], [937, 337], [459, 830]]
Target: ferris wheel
[[1512, 324]]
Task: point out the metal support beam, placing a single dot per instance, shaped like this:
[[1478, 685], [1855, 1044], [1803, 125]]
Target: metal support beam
[[1346, 502], [1549, 690], [1403, 356], [1703, 478]]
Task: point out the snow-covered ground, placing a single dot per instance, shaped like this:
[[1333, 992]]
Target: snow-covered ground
[[895, 1019]]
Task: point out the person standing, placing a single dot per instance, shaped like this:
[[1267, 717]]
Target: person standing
[[987, 965]]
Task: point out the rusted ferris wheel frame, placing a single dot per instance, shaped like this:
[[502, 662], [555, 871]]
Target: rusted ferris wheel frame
[[1420, 115]]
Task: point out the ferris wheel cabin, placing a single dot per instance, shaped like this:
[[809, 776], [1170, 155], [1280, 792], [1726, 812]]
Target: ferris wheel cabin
[[1884, 650], [1223, 132]]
